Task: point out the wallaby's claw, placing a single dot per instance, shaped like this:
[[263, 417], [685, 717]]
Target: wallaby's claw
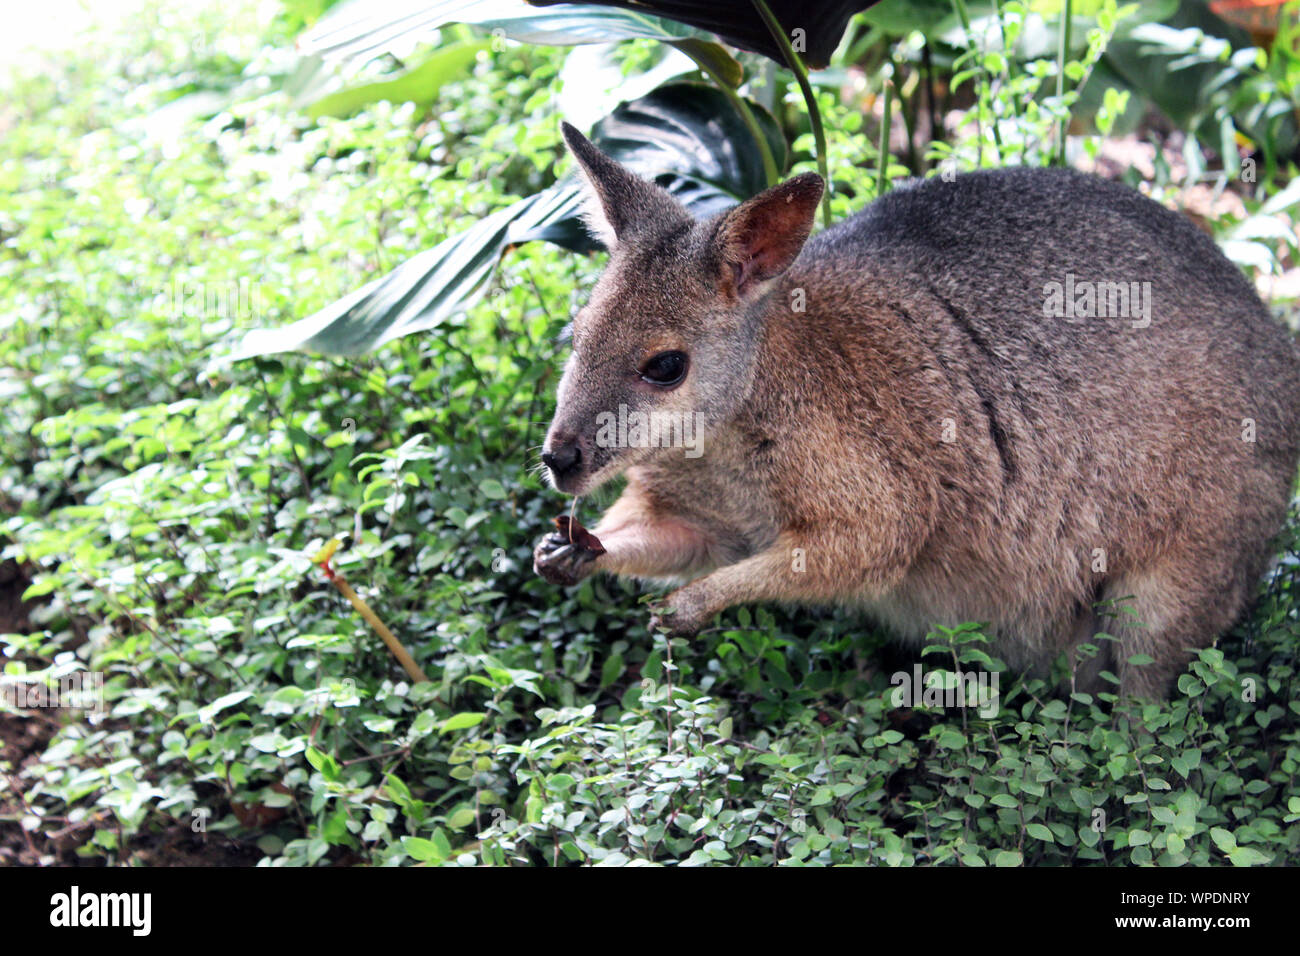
[[659, 617], [561, 561], [677, 625]]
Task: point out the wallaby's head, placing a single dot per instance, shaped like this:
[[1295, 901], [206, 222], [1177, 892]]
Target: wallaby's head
[[664, 351]]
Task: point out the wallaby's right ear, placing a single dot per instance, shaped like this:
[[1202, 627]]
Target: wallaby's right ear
[[761, 238], [619, 203]]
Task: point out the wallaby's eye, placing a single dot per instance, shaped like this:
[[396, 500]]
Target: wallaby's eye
[[666, 368]]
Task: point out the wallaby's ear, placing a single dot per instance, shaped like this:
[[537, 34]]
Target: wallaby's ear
[[619, 203], [761, 238]]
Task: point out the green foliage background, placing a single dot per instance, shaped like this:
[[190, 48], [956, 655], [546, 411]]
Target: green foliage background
[[167, 516]]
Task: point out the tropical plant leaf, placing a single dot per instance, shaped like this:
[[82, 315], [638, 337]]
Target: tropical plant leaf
[[820, 23], [572, 24], [418, 85], [592, 81], [691, 139], [901, 17], [360, 30], [421, 292], [713, 59], [355, 32], [363, 29], [688, 137]]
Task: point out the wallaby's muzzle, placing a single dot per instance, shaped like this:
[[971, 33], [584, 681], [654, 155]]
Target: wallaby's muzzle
[[564, 459]]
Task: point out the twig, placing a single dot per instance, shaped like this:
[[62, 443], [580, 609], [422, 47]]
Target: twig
[[403, 656]]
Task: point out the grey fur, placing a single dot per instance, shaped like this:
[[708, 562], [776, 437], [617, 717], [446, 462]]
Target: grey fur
[[922, 438]]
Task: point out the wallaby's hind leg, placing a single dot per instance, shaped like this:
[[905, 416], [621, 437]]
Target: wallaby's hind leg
[[1087, 623], [1170, 610]]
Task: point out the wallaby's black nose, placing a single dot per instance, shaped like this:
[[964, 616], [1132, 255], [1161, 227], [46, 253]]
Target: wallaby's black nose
[[562, 459]]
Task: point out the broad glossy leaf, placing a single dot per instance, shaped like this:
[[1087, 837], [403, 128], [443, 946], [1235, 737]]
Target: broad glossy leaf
[[360, 30], [814, 25], [685, 136], [689, 138], [417, 85], [425, 289], [901, 17], [572, 24], [363, 29]]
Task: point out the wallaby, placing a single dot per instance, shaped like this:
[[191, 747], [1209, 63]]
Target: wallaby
[[1007, 397]]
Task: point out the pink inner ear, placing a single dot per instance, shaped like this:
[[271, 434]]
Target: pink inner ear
[[765, 250], [768, 232]]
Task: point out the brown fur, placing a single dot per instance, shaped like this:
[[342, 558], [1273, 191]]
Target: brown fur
[[921, 441]]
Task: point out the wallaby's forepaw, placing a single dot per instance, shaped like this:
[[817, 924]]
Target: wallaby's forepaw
[[562, 561]]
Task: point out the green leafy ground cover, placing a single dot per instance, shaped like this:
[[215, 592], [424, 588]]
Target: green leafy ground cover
[[165, 516]]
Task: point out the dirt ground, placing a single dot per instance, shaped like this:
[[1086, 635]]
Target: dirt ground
[[22, 741]]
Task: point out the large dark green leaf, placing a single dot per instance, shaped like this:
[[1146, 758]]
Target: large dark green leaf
[[901, 17], [686, 136], [690, 138], [361, 30], [821, 22]]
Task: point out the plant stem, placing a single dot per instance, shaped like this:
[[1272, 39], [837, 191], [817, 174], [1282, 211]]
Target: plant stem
[[964, 16], [908, 109], [770, 172], [882, 180], [810, 99], [394, 645], [1062, 53], [931, 101], [1016, 106]]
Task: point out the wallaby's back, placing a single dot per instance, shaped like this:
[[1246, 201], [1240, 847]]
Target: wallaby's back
[[1074, 457]]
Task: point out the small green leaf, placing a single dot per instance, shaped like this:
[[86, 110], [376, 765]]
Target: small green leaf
[[611, 670], [1040, 832], [1223, 839], [461, 721], [491, 488], [561, 782], [425, 851], [1162, 815], [462, 818], [323, 762], [1247, 856], [951, 739]]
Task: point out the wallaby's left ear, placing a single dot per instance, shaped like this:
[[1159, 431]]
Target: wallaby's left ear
[[761, 238]]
